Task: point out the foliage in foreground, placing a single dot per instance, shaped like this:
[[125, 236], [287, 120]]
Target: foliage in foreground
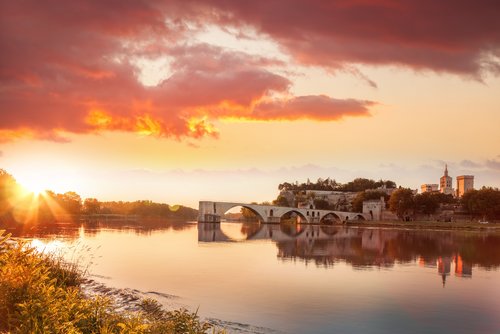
[[41, 294]]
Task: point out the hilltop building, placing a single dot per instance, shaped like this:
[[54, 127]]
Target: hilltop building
[[339, 199], [429, 187], [445, 183], [464, 184]]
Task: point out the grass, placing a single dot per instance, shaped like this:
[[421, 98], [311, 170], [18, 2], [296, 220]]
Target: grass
[[40, 293]]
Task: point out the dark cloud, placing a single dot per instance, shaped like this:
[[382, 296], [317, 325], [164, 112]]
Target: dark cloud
[[455, 36]]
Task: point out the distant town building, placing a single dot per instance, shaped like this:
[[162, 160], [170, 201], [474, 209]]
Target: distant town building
[[464, 183], [429, 187], [446, 183]]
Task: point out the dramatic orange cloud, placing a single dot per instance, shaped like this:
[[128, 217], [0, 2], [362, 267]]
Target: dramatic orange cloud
[[71, 66], [319, 107]]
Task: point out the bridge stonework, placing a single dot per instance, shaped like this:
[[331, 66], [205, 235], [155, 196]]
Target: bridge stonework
[[211, 212]]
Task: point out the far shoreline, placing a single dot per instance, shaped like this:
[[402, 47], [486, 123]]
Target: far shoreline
[[425, 225], [416, 225]]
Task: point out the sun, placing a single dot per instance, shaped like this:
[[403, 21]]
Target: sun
[[34, 185]]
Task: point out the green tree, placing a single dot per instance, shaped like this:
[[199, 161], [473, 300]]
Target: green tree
[[389, 184], [91, 206], [426, 203], [402, 202], [484, 202], [9, 191], [6, 184], [429, 202], [322, 204], [71, 202], [248, 214], [362, 184], [285, 186], [281, 201]]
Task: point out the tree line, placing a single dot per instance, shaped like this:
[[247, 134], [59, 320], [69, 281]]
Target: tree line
[[483, 203], [356, 185], [144, 208], [16, 205]]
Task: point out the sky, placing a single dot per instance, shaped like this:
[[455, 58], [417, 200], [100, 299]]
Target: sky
[[181, 101]]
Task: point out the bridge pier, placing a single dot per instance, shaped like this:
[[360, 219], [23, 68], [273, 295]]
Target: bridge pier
[[207, 212]]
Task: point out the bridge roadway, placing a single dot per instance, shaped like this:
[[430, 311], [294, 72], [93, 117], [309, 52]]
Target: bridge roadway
[[211, 212]]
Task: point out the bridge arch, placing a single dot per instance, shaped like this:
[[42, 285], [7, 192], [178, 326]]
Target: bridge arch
[[331, 218], [259, 216], [358, 217], [289, 213], [290, 227]]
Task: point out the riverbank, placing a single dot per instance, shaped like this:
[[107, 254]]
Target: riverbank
[[41, 293], [456, 225]]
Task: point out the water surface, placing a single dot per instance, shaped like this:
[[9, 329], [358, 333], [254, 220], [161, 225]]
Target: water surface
[[297, 279]]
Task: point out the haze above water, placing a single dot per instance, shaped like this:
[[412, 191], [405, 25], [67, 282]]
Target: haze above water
[[297, 279]]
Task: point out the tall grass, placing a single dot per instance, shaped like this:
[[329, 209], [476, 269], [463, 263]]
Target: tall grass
[[41, 293]]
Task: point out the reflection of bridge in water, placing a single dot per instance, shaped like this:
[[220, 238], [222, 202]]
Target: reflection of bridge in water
[[212, 232], [363, 247], [211, 212]]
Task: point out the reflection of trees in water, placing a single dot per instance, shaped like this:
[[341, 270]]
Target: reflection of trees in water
[[292, 228], [249, 229], [330, 230], [65, 230], [71, 230], [142, 226], [384, 248]]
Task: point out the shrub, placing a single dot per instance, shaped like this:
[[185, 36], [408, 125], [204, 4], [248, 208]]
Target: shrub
[[41, 293]]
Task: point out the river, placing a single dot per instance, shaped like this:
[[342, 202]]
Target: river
[[258, 278]]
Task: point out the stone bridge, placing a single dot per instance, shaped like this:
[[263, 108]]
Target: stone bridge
[[211, 212]]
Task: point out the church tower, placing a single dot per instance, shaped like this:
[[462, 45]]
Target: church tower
[[445, 182]]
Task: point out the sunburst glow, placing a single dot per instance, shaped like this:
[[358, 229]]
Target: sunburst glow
[[35, 185]]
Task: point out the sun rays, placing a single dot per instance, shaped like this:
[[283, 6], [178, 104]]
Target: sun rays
[[34, 207]]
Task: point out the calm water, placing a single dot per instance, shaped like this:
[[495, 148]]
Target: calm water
[[308, 279]]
